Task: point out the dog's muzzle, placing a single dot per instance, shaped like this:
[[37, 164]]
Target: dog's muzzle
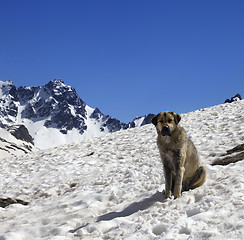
[[165, 131]]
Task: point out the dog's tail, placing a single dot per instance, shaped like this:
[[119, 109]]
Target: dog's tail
[[199, 178]]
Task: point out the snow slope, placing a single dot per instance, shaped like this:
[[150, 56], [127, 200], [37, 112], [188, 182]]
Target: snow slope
[[111, 187]]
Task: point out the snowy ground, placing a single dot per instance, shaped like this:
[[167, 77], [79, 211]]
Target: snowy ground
[[111, 187]]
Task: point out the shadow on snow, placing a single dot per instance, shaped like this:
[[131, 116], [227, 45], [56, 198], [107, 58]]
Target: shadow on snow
[[131, 209], [134, 207]]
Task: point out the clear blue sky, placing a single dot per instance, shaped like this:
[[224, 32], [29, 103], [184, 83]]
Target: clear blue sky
[[127, 57]]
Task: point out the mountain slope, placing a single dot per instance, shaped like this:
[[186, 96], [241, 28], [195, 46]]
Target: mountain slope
[[54, 114], [13, 145], [111, 187]]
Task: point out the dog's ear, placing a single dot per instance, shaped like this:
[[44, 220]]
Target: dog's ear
[[155, 120], [177, 117]]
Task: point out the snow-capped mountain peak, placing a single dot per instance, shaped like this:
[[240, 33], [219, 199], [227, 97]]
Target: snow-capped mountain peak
[[56, 110]]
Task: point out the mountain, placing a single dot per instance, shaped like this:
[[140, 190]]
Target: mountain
[[111, 187], [54, 114], [237, 97], [141, 121]]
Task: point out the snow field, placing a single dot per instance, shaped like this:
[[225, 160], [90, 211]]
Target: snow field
[[111, 187]]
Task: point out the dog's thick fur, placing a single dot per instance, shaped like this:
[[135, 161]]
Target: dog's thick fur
[[182, 168]]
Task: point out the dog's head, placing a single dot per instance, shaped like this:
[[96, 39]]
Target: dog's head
[[166, 122]]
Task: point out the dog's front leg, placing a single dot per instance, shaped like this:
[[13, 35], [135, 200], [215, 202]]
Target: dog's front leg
[[180, 170], [168, 180]]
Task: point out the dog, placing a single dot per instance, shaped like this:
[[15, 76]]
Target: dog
[[182, 168]]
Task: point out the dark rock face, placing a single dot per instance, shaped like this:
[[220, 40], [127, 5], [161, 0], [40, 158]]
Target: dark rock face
[[4, 202], [114, 125], [96, 114], [20, 132], [13, 93], [237, 97], [148, 119], [26, 93], [231, 156]]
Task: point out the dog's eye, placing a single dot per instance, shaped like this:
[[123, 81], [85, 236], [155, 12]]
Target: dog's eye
[[170, 120], [161, 121]]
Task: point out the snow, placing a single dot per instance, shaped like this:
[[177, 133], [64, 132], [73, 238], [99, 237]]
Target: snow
[[138, 121], [111, 187], [93, 126]]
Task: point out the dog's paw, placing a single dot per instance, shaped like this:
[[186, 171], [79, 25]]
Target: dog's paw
[[177, 195], [167, 194]]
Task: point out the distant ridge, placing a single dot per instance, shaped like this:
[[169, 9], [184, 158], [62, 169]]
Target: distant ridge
[[237, 97]]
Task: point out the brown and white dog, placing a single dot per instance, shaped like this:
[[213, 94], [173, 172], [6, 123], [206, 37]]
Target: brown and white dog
[[182, 168]]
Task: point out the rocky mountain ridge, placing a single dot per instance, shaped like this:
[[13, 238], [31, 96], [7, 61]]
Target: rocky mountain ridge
[[56, 106], [237, 97]]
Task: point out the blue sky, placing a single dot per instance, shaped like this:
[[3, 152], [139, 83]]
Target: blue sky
[[127, 57]]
